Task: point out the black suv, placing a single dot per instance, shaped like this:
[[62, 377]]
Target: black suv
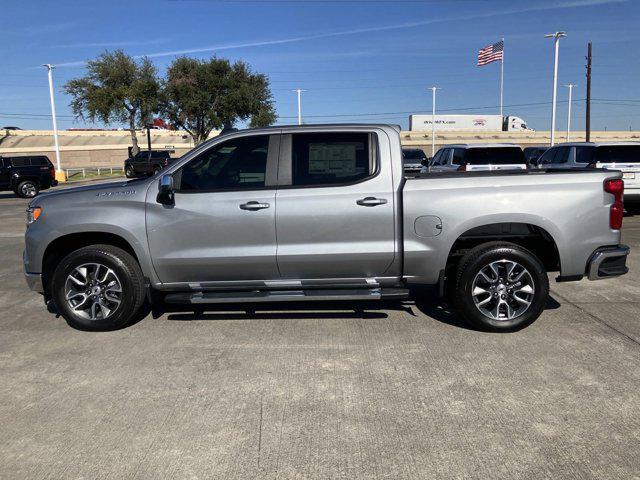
[[147, 162], [27, 175]]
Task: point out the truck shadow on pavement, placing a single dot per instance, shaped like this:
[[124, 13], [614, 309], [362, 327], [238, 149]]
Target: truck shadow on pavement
[[444, 313], [429, 305]]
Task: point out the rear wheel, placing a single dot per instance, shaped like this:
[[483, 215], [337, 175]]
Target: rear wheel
[[99, 287], [27, 189], [501, 287]]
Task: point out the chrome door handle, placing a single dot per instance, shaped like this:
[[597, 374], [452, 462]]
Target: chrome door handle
[[371, 201], [254, 206]]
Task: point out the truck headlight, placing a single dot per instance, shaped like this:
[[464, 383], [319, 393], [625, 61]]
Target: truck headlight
[[33, 213]]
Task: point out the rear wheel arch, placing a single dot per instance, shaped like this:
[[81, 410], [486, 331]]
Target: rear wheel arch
[[531, 237]]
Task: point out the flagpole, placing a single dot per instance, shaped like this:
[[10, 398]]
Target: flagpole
[[502, 79]]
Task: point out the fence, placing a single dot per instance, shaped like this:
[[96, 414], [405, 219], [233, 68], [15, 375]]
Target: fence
[[99, 171]]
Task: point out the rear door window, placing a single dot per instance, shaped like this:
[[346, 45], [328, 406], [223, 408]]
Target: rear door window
[[494, 156], [584, 154], [20, 161], [331, 158], [618, 154]]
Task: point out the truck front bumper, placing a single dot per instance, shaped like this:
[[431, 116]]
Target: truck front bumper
[[608, 262]]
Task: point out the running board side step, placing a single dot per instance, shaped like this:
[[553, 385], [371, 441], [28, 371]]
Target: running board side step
[[258, 296]]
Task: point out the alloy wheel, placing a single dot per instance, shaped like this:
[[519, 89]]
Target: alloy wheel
[[93, 291], [503, 290]]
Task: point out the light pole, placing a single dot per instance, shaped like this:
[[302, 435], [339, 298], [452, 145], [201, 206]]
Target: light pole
[[433, 120], [299, 91], [59, 173], [570, 87], [556, 37]]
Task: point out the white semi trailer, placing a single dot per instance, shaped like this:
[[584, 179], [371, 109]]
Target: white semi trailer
[[479, 123]]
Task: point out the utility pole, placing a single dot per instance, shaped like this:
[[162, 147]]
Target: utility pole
[[59, 173], [587, 127], [556, 37], [299, 91], [433, 120], [570, 87]]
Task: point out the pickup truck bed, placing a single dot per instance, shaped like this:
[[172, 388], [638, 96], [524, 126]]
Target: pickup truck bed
[[319, 213]]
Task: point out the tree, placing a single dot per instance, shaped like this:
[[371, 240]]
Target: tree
[[116, 88], [202, 95]]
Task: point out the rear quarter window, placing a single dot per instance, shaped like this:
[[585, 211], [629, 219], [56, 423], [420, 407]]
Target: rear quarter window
[[40, 161], [494, 156]]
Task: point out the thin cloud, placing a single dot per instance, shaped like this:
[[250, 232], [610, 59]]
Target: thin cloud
[[382, 28], [131, 43]]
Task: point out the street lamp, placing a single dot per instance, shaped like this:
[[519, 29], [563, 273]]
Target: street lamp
[[556, 37], [59, 173], [433, 120], [570, 87], [299, 91]]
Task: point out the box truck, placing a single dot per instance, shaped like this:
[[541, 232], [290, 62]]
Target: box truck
[[479, 123]]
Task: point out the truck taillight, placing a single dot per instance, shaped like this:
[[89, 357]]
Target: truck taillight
[[462, 168], [616, 188], [52, 172]]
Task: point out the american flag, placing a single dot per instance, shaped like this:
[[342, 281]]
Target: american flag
[[490, 53]]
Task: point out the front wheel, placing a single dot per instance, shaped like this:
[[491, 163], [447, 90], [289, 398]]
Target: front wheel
[[128, 172], [501, 287], [99, 287]]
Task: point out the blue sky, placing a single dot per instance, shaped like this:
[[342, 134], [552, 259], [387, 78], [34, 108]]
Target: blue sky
[[374, 59]]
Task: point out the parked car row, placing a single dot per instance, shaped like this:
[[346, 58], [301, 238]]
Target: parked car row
[[622, 156]]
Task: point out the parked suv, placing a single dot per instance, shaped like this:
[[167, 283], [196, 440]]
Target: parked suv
[[613, 156], [147, 162], [464, 157], [413, 159], [26, 176]]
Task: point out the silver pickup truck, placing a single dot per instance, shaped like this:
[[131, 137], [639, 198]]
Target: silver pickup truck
[[320, 213]]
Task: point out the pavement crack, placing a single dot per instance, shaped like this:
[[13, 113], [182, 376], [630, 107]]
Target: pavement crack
[[597, 319], [260, 433]]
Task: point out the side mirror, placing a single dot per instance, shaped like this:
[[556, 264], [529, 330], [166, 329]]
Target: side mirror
[[165, 190]]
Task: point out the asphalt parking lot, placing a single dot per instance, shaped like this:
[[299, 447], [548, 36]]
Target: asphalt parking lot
[[406, 391]]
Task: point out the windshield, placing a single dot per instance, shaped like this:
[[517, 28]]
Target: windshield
[[618, 154], [413, 156], [494, 156]]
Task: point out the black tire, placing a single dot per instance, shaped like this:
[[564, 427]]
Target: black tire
[[27, 189], [128, 274], [129, 173], [157, 169], [503, 253]]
